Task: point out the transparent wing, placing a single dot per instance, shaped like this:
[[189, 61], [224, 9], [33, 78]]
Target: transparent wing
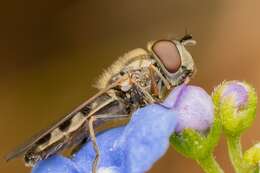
[[23, 148]]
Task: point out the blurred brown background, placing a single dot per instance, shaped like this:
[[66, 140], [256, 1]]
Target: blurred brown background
[[51, 52]]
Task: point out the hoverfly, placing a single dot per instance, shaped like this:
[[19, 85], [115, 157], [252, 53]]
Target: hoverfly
[[136, 79]]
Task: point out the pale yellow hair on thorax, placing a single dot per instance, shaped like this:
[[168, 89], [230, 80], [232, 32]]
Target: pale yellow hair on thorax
[[117, 66]]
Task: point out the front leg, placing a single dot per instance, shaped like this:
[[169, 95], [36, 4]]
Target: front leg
[[154, 86], [160, 91], [147, 96], [130, 81], [164, 80]]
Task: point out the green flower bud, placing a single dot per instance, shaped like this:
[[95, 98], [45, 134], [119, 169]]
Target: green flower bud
[[235, 103], [197, 145], [252, 155]]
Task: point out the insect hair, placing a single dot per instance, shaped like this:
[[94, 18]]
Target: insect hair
[[115, 68]]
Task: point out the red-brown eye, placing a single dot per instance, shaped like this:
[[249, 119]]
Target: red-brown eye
[[168, 53]]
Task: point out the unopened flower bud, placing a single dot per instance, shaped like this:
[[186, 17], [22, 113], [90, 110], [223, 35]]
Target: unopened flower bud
[[197, 132], [252, 155], [236, 105], [194, 106]]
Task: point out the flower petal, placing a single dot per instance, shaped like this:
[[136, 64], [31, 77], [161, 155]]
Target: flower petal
[[194, 106]]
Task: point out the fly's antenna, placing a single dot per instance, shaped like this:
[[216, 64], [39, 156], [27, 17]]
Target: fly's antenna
[[187, 39]]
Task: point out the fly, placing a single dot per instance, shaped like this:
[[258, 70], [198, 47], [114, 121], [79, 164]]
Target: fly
[[138, 78]]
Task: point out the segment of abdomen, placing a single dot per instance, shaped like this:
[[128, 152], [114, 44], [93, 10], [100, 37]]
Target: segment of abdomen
[[73, 131]]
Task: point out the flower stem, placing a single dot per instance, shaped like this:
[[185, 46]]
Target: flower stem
[[210, 165], [235, 154]]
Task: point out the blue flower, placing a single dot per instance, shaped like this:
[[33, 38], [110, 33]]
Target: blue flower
[[132, 148]]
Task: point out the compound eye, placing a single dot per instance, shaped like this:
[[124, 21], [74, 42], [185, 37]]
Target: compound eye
[[168, 53]]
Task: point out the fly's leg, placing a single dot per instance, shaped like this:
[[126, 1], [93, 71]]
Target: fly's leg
[[94, 142], [148, 96], [154, 86], [91, 121], [111, 117], [165, 81]]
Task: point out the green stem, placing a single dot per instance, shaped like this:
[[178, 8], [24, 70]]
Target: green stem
[[257, 170], [236, 155], [235, 152], [210, 165]]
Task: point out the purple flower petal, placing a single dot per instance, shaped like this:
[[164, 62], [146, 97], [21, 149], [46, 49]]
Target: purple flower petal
[[194, 106], [238, 91]]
